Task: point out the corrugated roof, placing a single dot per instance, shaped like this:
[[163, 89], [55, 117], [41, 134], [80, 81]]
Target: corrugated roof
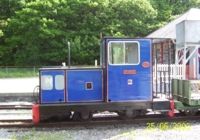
[[169, 30]]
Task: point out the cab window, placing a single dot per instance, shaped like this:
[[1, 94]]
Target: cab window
[[46, 82], [59, 82], [123, 52]]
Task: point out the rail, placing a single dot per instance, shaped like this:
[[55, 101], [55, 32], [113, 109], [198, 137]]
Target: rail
[[15, 107], [95, 122]]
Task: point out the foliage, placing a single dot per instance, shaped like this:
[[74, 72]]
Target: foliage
[[36, 32], [180, 6]]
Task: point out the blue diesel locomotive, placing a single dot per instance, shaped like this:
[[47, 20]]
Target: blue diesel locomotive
[[122, 84]]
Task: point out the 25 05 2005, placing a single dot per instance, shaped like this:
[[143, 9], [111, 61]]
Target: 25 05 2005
[[168, 126]]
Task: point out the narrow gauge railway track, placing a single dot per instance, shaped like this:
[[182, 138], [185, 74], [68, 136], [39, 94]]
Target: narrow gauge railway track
[[12, 114], [15, 107], [94, 122]]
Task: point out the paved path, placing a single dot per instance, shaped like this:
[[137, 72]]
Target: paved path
[[18, 85]]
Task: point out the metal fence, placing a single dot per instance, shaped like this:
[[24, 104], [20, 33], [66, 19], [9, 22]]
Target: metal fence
[[10, 71]]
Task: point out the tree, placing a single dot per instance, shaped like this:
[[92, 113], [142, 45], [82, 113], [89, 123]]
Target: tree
[[181, 6], [35, 34], [7, 10]]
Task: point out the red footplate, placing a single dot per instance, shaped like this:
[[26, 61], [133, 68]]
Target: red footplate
[[171, 112], [35, 114]]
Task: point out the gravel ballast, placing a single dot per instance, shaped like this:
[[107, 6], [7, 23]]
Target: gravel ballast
[[188, 130]]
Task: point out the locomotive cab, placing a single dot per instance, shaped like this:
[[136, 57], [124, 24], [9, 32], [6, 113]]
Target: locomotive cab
[[128, 69]]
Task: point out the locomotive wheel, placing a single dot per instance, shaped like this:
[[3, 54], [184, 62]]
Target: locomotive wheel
[[142, 112], [132, 113], [76, 116], [182, 112], [85, 115], [136, 113], [63, 116], [190, 112], [129, 113], [122, 114], [68, 115]]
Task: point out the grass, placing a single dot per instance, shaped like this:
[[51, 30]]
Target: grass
[[18, 72], [41, 135]]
